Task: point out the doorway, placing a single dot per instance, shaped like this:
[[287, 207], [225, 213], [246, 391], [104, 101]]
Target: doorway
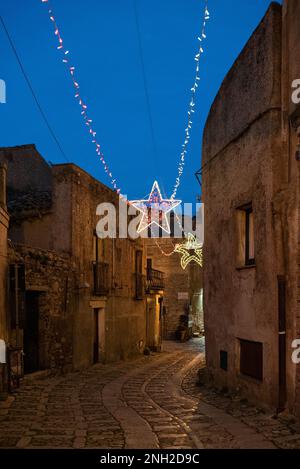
[[154, 322], [96, 336], [99, 335], [31, 332]]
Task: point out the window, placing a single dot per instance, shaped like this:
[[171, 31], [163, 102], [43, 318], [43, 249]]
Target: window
[[246, 250], [149, 264], [139, 262], [98, 249], [139, 284], [17, 295], [249, 237], [251, 359], [100, 268], [223, 360]]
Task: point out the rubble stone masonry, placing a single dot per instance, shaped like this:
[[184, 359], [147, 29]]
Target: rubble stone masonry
[[241, 159], [88, 305], [52, 277], [250, 141]]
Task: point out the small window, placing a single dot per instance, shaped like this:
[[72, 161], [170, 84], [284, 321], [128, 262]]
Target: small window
[[139, 284], [138, 262], [98, 249], [246, 252], [251, 359], [249, 237], [223, 360], [17, 289]]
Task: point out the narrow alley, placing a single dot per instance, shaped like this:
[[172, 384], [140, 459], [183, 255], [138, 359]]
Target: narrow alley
[[150, 402], [149, 230]]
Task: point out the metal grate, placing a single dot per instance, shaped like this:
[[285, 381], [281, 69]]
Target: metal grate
[[155, 279]]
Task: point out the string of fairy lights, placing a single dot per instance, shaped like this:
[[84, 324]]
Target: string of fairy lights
[[191, 110], [88, 122], [192, 104]]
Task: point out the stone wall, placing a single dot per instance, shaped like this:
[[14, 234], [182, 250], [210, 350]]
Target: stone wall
[[196, 297], [62, 219], [250, 89], [27, 170], [3, 272], [242, 164], [182, 287], [53, 277], [4, 220], [290, 130], [125, 318]]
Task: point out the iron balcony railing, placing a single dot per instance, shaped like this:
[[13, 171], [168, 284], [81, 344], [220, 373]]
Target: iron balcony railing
[[155, 280], [101, 282]]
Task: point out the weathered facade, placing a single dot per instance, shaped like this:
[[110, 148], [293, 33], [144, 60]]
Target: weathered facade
[[3, 251], [42, 324], [290, 224], [82, 299], [4, 220], [251, 197], [183, 288]]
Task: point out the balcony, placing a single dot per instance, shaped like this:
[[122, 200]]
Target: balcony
[[155, 280], [100, 274]]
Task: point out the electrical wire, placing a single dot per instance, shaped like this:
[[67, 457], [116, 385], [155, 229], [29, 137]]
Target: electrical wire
[[26, 77], [145, 83]]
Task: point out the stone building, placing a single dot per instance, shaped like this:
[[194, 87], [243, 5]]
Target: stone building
[[4, 220], [183, 288], [196, 297], [251, 198], [82, 299]]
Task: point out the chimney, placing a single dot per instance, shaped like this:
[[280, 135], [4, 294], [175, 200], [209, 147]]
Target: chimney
[[3, 171]]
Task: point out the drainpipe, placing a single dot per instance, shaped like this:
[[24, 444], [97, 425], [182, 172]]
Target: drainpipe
[[281, 342]]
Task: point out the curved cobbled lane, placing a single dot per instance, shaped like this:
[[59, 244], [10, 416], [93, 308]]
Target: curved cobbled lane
[[151, 402]]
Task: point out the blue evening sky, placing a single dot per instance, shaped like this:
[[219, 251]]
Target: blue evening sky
[[102, 37]]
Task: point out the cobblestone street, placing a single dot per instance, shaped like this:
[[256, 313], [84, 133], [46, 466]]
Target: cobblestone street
[[151, 402]]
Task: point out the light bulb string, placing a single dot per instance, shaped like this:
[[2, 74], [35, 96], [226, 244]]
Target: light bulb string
[[191, 110], [88, 121], [83, 107], [167, 254], [192, 103]]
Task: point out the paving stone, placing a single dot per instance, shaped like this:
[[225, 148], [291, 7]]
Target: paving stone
[[162, 428], [24, 442], [8, 442], [52, 441], [79, 442], [162, 395]]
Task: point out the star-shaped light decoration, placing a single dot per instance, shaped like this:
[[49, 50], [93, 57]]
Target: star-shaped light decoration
[[155, 210], [191, 250]]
